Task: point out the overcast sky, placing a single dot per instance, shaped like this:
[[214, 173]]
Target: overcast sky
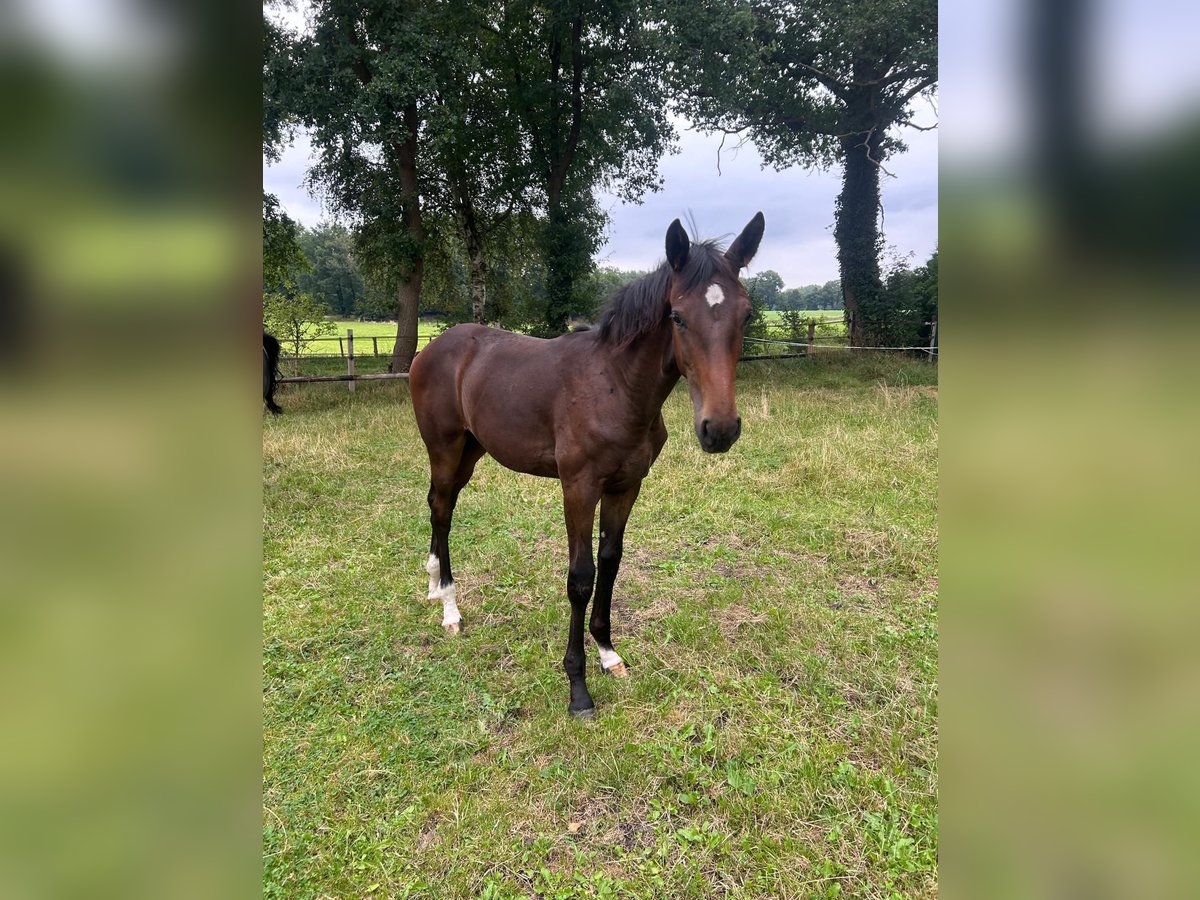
[[798, 204]]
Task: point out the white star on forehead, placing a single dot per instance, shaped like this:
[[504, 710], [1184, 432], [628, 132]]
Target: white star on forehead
[[714, 294]]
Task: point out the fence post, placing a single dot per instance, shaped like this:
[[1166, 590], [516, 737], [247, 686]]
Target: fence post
[[933, 339], [350, 357], [341, 349], [812, 327], [375, 345]]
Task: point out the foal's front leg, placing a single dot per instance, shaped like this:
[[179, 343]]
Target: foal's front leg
[[614, 513], [579, 507]]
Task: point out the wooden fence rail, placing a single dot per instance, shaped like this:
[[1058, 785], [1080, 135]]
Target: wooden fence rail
[[346, 348], [304, 379]]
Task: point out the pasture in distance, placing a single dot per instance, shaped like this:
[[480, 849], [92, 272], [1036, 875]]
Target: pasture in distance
[[777, 606], [384, 333]]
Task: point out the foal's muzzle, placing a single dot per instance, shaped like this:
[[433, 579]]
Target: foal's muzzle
[[717, 437]]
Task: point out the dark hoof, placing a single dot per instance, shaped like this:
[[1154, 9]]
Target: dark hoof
[[587, 715]]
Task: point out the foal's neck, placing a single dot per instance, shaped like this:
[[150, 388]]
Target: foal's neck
[[648, 365]]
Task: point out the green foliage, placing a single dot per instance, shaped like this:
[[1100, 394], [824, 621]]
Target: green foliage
[[515, 275], [899, 313], [498, 113], [587, 82], [569, 239], [795, 324], [814, 84], [276, 119], [283, 259], [295, 319], [796, 77], [764, 290], [334, 277]]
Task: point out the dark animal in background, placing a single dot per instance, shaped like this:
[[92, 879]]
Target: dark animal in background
[[586, 408], [270, 372]]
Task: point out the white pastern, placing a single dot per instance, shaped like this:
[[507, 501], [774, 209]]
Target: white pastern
[[434, 568], [448, 594], [714, 295], [609, 658]]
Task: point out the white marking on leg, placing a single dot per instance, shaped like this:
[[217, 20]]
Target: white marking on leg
[[714, 295], [609, 657], [434, 568], [448, 594]]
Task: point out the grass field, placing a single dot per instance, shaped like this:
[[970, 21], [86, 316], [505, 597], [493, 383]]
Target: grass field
[[364, 332], [385, 332], [777, 606]]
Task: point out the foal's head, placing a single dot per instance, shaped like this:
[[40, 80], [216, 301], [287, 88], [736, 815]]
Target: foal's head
[[708, 316]]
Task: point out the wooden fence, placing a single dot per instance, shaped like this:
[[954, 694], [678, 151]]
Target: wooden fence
[[794, 349]]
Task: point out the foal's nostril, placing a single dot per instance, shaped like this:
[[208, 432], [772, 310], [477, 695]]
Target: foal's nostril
[[704, 428]]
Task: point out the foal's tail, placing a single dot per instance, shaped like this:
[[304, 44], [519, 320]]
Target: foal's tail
[[270, 372]]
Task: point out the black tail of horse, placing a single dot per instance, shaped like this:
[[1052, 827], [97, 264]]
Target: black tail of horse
[[270, 372]]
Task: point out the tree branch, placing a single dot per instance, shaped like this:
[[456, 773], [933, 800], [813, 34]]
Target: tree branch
[[576, 87], [922, 85], [357, 64]]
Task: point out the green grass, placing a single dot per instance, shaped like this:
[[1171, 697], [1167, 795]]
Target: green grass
[[774, 316], [384, 333], [777, 606]]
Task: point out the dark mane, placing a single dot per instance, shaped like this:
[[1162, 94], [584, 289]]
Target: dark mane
[[640, 306]]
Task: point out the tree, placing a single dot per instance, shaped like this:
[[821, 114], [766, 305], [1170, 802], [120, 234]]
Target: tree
[[814, 84], [587, 82], [486, 188], [295, 318], [474, 113], [926, 290], [514, 277], [359, 81], [334, 278], [765, 288], [283, 259], [828, 295], [908, 304]]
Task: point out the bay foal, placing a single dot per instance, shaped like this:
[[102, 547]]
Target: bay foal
[[586, 408]]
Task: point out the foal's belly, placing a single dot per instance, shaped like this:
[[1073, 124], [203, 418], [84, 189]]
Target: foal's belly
[[541, 463]]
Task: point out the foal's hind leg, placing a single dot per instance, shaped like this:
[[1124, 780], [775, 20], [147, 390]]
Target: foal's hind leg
[[614, 513], [450, 468]]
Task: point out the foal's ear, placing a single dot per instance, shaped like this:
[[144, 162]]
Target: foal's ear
[[677, 245], [742, 250]]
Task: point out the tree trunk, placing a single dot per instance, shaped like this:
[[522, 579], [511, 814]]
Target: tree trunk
[[563, 239], [473, 238], [856, 230], [556, 252], [408, 301], [408, 295], [478, 278]]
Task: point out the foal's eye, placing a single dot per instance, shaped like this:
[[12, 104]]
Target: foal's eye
[[677, 319]]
